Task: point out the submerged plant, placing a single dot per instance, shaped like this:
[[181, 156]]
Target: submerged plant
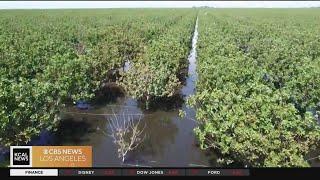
[[126, 133]]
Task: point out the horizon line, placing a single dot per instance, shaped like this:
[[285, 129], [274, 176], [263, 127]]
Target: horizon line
[[200, 7]]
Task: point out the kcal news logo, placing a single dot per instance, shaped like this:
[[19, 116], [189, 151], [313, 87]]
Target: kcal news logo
[[20, 156], [50, 156]]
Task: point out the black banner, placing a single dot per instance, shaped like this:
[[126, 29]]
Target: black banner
[[257, 172]]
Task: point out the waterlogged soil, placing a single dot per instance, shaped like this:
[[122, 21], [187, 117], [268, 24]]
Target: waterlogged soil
[[169, 139]]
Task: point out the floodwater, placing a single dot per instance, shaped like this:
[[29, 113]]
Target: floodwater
[[169, 139]]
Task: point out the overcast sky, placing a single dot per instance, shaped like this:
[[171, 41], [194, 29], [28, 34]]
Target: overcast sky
[[133, 4]]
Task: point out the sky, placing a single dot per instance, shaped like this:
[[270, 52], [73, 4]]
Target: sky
[[153, 4]]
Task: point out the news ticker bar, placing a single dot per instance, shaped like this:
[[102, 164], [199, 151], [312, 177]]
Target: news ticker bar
[[130, 172]]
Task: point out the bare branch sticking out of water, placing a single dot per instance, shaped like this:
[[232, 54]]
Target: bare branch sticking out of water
[[126, 133]]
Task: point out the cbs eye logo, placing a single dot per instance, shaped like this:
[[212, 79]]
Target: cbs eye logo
[[20, 156]]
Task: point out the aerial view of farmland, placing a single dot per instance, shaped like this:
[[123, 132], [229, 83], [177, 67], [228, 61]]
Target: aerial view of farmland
[[185, 87]]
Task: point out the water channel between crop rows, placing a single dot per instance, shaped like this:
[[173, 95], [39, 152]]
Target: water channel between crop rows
[[169, 139]]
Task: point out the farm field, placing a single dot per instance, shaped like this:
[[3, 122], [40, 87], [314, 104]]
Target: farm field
[[202, 87]]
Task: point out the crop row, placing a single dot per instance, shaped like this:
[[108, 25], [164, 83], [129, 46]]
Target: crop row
[[49, 58], [258, 88]]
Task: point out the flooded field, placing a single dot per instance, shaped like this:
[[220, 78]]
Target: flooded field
[[252, 74], [169, 139]]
